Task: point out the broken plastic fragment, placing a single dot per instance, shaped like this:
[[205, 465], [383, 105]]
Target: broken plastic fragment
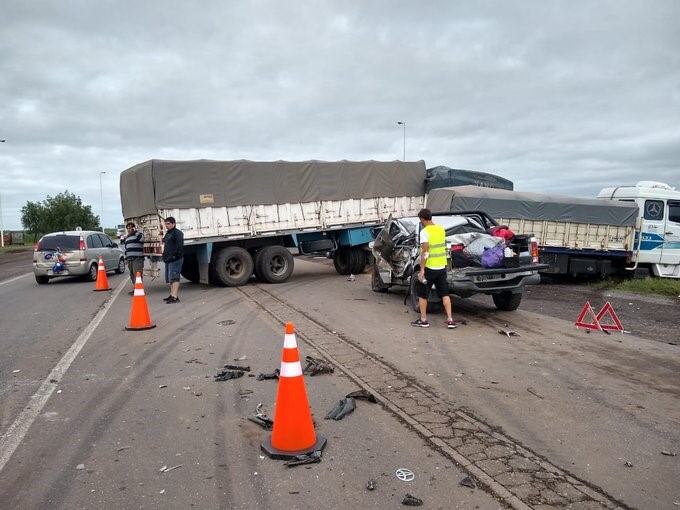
[[629, 464], [225, 375], [237, 367], [309, 458], [411, 501], [266, 377], [80, 466], [362, 395], [668, 454], [370, 485], [341, 409], [508, 332], [468, 481], [263, 421]]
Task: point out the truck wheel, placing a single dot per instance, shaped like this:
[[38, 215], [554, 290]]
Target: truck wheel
[[275, 264], [233, 266], [377, 284], [190, 268], [507, 301], [342, 261], [434, 303], [357, 260]]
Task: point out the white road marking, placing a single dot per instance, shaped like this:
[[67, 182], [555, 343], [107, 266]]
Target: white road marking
[[3, 282], [15, 434]]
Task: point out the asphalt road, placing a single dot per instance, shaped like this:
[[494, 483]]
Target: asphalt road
[[580, 405]]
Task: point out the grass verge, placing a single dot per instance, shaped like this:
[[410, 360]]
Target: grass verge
[[659, 286]]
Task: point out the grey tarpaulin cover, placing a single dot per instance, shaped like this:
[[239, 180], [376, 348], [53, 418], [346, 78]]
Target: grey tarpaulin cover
[[532, 206], [444, 177], [160, 184]]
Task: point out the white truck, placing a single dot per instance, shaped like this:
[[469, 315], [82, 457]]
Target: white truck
[[241, 218], [625, 228]]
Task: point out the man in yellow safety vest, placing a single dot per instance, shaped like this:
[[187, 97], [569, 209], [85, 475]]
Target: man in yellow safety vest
[[432, 269]]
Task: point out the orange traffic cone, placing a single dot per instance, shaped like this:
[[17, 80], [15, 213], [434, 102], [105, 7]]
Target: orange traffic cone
[[139, 312], [102, 282], [293, 432]]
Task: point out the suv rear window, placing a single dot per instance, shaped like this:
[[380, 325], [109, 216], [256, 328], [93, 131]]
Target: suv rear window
[[61, 241]]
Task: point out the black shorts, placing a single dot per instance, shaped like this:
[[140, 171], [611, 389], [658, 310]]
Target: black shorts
[[436, 277]]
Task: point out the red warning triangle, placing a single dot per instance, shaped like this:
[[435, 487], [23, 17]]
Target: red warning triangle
[[588, 310], [607, 309]]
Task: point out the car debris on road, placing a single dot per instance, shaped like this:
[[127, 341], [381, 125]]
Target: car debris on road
[[341, 409], [362, 395], [468, 481], [308, 458], [410, 500], [508, 332], [231, 372], [315, 366], [269, 376]]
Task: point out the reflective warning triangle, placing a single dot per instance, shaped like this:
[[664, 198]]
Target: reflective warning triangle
[[608, 310], [588, 310]]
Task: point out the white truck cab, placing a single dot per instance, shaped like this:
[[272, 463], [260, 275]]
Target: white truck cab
[[657, 243]]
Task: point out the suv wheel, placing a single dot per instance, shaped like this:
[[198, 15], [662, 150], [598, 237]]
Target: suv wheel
[[42, 279], [92, 273], [121, 266]]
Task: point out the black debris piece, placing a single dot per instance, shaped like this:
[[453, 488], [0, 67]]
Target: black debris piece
[[668, 454], [267, 377], [228, 322], [341, 409], [362, 395], [237, 367], [508, 332], [308, 458], [225, 375], [316, 366], [628, 464], [263, 421], [468, 481], [411, 501], [370, 485]]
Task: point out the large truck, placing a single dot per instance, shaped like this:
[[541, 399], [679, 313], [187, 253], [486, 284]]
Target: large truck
[[241, 218], [626, 228]]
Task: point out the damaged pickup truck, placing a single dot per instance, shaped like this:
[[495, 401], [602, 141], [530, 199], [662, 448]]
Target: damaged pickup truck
[[397, 259]]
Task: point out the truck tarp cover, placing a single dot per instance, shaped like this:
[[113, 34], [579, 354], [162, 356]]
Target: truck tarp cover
[[532, 206], [159, 184]]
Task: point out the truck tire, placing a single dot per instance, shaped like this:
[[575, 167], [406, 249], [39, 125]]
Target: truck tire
[[357, 260], [507, 301], [377, 284], [190, 268], [434, 303], [342, 261], [274, 264], [233, 266]]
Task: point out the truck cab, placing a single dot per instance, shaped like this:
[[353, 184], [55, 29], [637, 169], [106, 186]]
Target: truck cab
[[657, 242]]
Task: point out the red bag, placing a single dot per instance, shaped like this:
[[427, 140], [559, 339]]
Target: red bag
[[502, 231]]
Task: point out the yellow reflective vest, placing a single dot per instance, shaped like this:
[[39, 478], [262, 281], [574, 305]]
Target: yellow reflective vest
[[436, 236]]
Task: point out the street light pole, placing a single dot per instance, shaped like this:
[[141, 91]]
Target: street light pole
[[101, 198], [404, 125], [2, 222]]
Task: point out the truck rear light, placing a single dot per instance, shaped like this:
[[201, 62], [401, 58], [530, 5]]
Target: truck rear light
[[533, 243], [82, 244]]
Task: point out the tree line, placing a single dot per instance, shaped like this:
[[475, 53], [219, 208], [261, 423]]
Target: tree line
[[64, 211]]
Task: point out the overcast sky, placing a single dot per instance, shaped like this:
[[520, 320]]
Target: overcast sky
[[556, 96]]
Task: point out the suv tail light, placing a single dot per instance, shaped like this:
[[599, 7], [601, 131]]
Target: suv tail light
[[36, 246], [82, 244], [533, 243]]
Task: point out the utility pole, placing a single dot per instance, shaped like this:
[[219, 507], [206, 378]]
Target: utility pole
[[101, 198], [403, 123]]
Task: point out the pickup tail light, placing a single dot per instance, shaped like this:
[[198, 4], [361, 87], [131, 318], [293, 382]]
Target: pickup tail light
[[533, 244]]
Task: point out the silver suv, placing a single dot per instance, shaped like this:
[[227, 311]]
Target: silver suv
[[75, 253]]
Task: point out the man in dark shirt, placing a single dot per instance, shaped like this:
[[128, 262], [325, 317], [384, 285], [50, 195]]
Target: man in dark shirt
[[173, 256]]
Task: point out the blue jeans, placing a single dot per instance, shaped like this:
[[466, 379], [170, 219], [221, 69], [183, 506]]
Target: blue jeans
[[173, 270]]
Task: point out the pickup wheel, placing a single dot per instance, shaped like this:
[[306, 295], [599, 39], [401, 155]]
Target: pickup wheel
[[190, 268], [507, 301], [274, 264], [377, 284], [342, 261], [233, 266], [434, 303]]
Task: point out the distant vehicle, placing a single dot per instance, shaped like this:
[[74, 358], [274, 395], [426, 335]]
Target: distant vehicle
[[120, 231], [75, 253], [397, 261]]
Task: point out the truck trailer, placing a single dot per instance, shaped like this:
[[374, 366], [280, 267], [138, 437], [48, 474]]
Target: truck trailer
[[241, 218]]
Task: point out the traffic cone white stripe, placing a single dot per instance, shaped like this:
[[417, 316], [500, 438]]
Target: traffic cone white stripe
[[138, 280], [289, 342], [139, 292], [293, 369]]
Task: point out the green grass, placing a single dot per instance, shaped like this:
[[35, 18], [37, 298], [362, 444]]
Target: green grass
[[659, 286]]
